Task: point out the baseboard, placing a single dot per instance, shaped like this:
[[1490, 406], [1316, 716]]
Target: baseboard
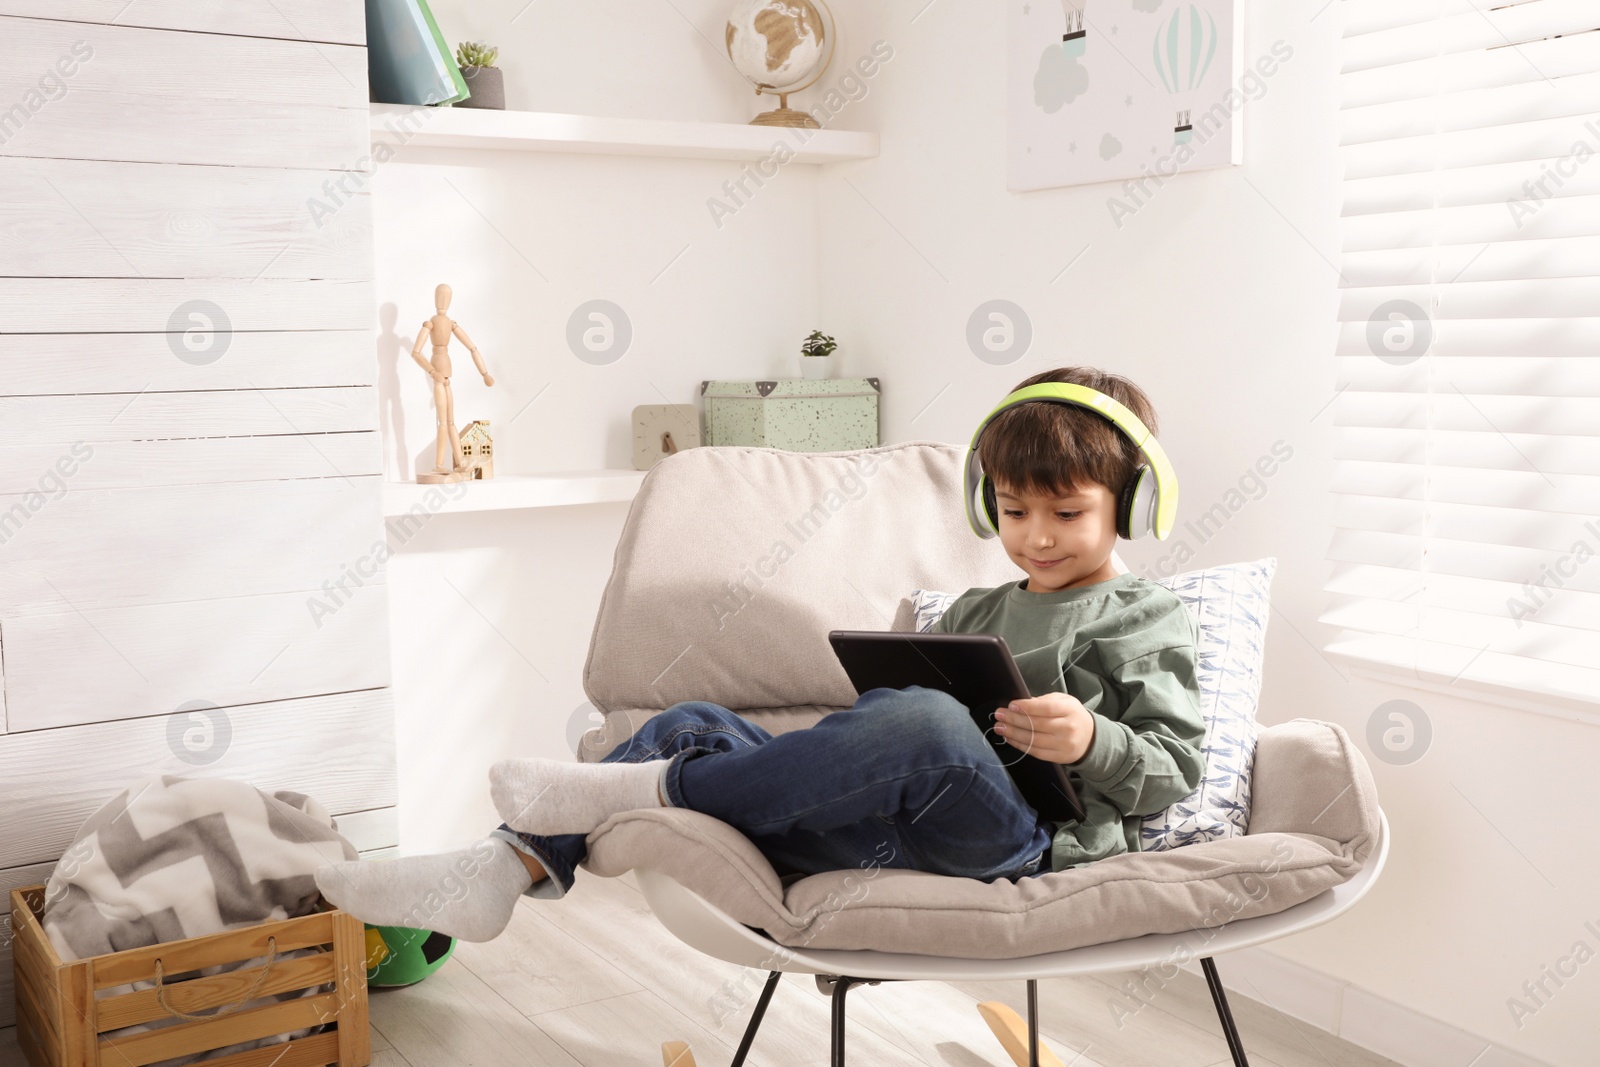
[[1357, 1015]]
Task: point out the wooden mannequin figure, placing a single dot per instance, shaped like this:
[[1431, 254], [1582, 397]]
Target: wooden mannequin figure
[[448, 463]]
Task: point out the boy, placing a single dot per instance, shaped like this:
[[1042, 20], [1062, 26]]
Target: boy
[[1112, 656]]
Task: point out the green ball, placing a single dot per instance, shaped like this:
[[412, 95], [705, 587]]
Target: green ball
[[411, 955]]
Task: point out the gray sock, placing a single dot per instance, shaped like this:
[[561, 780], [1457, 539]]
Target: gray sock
[[469, 894], [548, 796]]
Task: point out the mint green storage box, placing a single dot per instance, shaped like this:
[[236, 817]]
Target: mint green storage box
[[797, 414]]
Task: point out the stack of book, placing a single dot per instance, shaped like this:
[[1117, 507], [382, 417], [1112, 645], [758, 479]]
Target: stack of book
[[408, 61]]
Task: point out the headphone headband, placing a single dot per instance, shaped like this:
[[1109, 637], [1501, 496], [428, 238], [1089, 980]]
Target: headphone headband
[[1148, 504]]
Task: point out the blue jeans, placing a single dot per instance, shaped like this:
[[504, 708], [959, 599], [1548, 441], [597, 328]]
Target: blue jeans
[[904, 778]]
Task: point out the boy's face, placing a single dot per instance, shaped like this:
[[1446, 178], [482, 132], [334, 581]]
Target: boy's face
[[1063, 541]]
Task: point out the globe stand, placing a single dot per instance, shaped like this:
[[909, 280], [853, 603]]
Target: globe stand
[[784, 115]]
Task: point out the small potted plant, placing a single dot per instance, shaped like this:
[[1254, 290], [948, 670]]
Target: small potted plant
[[485, 85], [816, 353]]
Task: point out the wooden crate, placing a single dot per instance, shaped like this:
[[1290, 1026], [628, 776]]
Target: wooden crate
[[60, 1020]]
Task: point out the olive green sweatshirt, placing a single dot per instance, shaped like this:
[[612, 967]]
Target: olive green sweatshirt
[[1126, 648]]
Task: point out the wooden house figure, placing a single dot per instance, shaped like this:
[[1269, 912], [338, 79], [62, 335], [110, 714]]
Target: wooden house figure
[[477, 450]]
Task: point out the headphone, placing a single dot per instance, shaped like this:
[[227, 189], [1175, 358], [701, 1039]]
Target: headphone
[[1148, 503]]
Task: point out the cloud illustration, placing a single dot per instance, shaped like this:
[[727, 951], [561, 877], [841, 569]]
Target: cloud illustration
[[1109, 146], [1060, 80]]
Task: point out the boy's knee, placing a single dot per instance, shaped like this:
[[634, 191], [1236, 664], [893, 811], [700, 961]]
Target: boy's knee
[[696, 711], [933, 717], [661, 726], [916, 698]]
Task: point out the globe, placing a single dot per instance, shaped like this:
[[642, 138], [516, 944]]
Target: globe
[[780, 47]]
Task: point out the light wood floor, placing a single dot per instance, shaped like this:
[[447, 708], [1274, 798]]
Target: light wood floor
[[595, 980]]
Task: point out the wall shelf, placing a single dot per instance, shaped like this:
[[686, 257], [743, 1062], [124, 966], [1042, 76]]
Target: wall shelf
[[548, 131], [511, 491]]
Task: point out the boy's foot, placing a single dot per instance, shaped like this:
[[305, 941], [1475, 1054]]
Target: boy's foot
[[469, 894], [547, 796]]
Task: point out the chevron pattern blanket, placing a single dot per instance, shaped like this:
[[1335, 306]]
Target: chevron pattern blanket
[[171, 858]]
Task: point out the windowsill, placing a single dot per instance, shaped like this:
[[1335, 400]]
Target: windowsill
[[1382, 667]]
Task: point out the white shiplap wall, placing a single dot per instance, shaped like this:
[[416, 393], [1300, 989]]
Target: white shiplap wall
[[167, 512]]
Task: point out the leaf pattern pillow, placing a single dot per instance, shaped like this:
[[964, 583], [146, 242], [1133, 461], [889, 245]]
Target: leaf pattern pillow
[[1231, 603]]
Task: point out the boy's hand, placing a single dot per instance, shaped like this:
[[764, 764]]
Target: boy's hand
[[1054, 727]]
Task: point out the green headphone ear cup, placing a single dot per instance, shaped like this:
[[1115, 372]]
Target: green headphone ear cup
[[990, 505]]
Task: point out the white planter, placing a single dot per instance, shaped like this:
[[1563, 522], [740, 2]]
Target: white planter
[[816, 366]]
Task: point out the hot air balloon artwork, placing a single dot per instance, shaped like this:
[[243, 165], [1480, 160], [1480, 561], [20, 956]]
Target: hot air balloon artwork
[[1073, 40], [1183, 49], [1080, 111]]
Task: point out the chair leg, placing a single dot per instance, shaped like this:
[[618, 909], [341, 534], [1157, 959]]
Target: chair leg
[[678, 1053], [840, 987], [755, 1018], [1033, 1023], [1219, 997]]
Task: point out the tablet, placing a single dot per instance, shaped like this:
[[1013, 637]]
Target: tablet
[[978, 670]]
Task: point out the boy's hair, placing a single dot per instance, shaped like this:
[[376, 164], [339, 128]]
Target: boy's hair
[[1054, 449]]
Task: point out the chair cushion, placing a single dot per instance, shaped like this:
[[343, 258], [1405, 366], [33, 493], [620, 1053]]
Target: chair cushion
[[1231, 603], [1315, 822]]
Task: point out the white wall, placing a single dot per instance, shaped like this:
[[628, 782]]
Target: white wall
[[1218, 296]]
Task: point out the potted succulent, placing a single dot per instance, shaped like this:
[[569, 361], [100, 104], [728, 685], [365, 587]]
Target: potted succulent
[[816, 355], [483, 78]]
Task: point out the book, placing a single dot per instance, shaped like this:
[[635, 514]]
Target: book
[[408, 61]]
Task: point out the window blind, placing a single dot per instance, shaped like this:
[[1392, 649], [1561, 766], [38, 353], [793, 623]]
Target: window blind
[[1466, 540]]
